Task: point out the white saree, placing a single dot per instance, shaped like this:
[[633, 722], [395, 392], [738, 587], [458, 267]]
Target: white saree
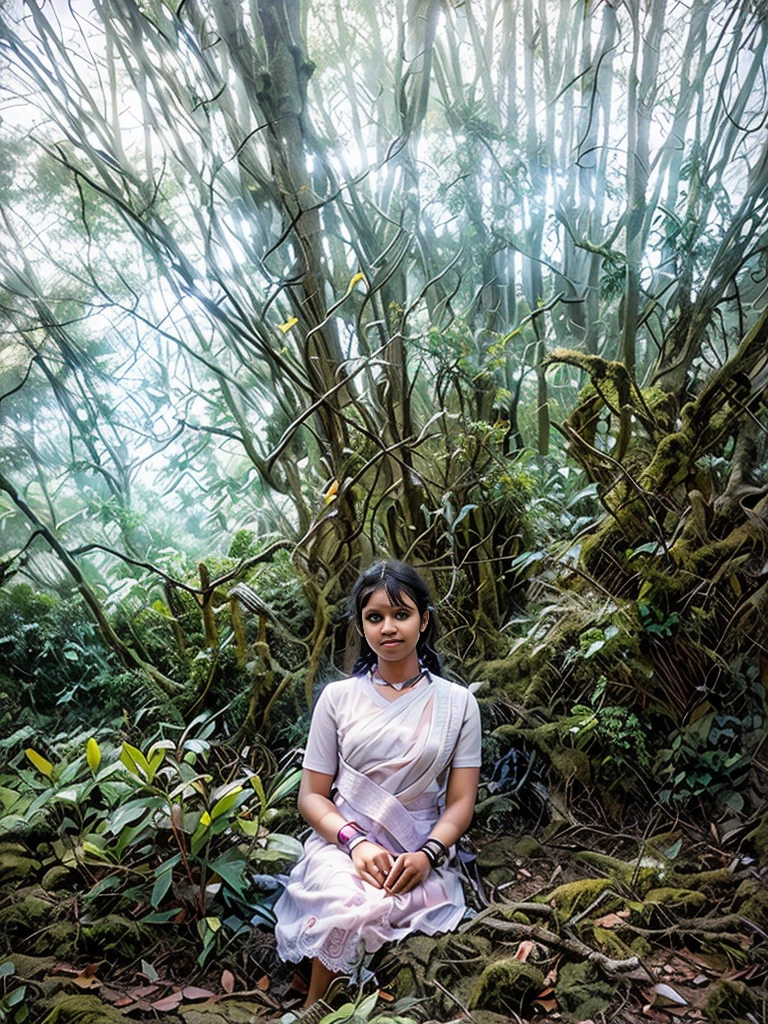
[[390, 761]]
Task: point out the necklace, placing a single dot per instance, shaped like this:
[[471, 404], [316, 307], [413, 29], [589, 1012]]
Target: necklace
[[400, 686]]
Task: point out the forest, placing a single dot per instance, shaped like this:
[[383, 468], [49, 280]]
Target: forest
[[290, 287]]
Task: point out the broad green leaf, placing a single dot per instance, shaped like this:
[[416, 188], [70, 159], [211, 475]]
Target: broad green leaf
[[259, 787], [134, 760], [249, 827], [93, 754], [285, 786], [42, 764], [226, 803]]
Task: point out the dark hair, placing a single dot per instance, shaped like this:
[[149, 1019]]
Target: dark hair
[[397, 579]]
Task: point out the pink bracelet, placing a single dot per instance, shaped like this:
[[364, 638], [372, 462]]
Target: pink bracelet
[[348, 832]]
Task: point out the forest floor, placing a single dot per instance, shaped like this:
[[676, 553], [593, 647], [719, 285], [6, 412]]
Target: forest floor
[[585, 926]]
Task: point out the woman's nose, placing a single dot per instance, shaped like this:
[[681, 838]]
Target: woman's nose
[[388, 626]]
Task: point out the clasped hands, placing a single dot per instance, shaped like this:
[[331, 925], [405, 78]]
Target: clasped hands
[[382, 870]]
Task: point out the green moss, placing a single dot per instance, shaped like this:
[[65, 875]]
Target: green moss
[[641, 947], [730, 1001], [25, 916], [16, 865], [709, 881], [233, 1011], [58, 939], [82, 1009], [674, 901], [609, 943], [29, 966], [58, 878], [571, 763], [117, 935], [504, 985], [527, 847], [499, 854], [752, 901], [574, 896], [581, 992], [759, 839]]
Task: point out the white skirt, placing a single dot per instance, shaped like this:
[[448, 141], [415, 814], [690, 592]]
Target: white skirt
[[327, 911]]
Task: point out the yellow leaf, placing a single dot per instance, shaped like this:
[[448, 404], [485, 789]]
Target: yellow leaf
[[40, 762], [214, 923], [332, 491], [355, 280], [289, 323], [92, 754], [205, 819]]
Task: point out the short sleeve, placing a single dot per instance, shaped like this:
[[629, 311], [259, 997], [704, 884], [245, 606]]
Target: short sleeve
[[321, 754], [468, 753]]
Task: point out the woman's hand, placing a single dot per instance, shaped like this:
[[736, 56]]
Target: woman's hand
[[408, 871], [372, 863]]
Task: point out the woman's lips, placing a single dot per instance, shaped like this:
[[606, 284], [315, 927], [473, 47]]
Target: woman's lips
[[390, 643]]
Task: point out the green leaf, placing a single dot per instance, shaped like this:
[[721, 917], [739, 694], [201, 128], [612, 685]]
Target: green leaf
[[226, 803], [230, 868], [163, 879], [7, 969], [134, 760], [285, 786]]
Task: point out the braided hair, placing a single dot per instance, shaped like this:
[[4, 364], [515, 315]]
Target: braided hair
[[397, 579]]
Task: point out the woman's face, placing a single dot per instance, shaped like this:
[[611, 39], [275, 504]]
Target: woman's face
[[392, 630]]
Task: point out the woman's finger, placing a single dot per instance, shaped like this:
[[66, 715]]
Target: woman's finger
[[371, 879], [394, 872]]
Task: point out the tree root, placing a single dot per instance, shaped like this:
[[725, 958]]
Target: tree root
[[574, 946]]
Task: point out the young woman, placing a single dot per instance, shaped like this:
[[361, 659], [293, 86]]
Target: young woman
[[389, 785]]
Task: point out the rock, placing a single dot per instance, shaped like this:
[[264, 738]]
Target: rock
[[230, 1011], [82, 1009], [29, 914], [571, 763], [58, 878], [116, 936], [29, 966], [730, 1001], [16, 864], [500, 854], [58, 939], [581, 992], [504, 986], [527, 847]]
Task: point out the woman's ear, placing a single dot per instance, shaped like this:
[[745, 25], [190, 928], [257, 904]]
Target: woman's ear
[[424, 621]]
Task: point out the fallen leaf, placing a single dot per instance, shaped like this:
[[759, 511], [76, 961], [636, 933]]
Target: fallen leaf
[[192, 993], [123, 1001], [612, 920], [227, 981], [168, 1002], [386, 996], [665, 995], [149, 971], [64, 969], [141, 991], [547, 1005], [90, 970], [700, 979], [263, 983], [82, 982], [524, 950]]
